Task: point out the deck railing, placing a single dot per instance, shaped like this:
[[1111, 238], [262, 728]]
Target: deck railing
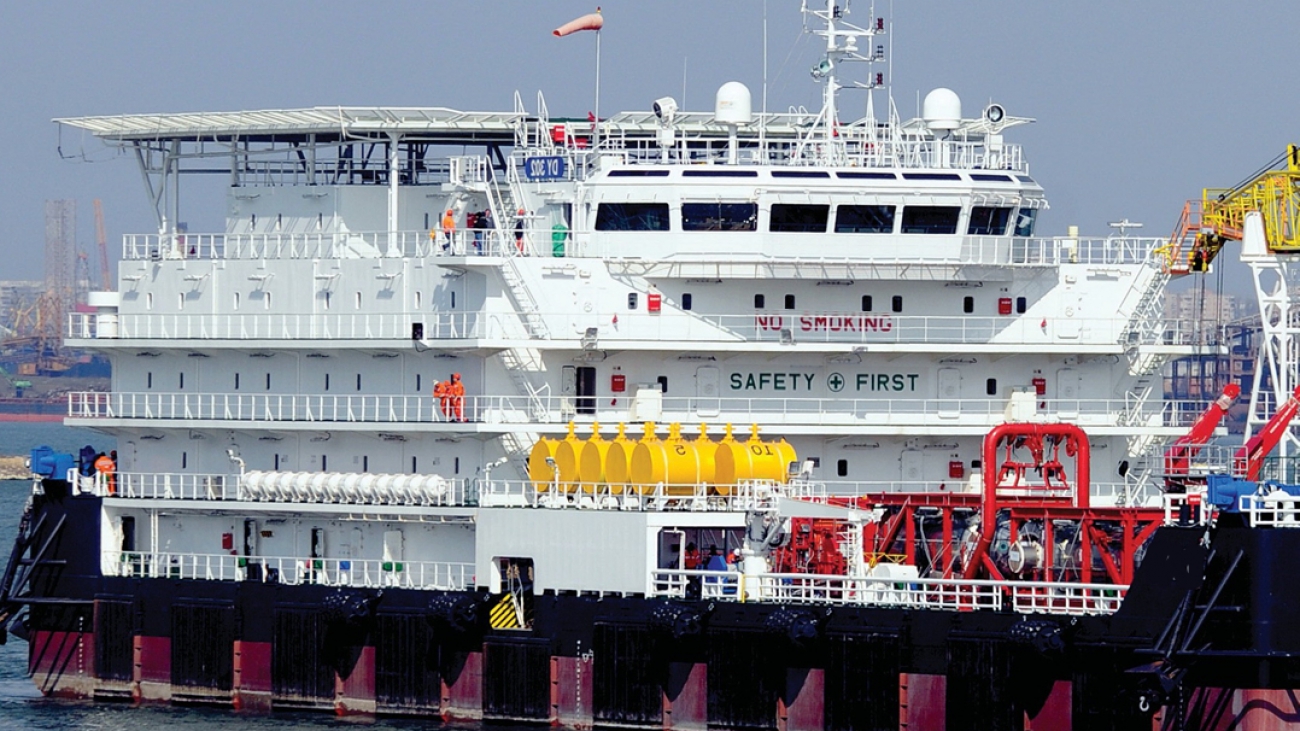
[[515, 409], [1025, 597], [372, 573]]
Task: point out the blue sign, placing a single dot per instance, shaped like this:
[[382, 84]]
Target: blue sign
[[544, 168]]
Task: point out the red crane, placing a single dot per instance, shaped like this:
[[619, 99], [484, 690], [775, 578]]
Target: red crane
[[1249, 460], [1179, 456]]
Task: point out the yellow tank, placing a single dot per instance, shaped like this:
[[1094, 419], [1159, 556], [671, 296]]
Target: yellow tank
[[619, 460], [566, 459], [591, 461], [707, 449], [539, 472], [753, 459], [674, 462], [618, 454]]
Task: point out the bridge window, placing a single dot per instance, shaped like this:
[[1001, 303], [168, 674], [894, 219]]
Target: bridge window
[[791, 218], [930, 219], [1025, 221], [987, 221], [632, 217], [719, 216], [864, 219]]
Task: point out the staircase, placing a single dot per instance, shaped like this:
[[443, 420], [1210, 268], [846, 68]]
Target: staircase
[[1145, 327]]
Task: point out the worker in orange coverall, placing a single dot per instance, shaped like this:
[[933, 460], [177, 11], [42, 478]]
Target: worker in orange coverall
[[456, 390]]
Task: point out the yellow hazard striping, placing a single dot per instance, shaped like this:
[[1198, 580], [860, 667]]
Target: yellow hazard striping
[[502, 615]]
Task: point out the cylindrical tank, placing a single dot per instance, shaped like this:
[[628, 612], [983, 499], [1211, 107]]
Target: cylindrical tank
[[566, 460], [674, 462], [753, 459], [618, 456], [591, 461], [618, 465], [539, 472], [707, 449]]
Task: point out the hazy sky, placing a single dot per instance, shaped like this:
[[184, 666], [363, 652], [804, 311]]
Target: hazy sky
[[1139, 104]]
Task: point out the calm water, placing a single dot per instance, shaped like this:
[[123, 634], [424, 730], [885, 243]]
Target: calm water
[[21, 707]]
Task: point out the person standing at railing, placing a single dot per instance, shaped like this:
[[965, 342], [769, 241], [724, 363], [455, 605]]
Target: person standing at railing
[[106, 467], [442, 392], [520, 219], [457, 392], [448, 229], [486, 223], [472, 223]]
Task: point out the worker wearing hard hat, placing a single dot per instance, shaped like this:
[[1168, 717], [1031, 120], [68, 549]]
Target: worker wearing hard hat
[[107, 469], [456, 392], [448, 228]]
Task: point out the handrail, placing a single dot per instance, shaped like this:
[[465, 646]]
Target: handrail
[[777, 326], [292, 570], [518, 409]]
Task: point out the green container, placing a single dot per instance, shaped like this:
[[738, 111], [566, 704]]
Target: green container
[[559, 237]]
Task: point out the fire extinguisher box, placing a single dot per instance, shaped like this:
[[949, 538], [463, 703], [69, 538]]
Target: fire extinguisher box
[[618, 383], [654, 302]]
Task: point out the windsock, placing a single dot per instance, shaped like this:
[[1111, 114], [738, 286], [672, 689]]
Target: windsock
[[590, 21]]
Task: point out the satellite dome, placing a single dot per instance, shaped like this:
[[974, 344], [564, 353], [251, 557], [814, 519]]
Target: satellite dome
[[941, 110], [733, 104]]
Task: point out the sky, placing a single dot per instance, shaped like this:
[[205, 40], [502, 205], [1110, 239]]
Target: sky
[[1139, 105]]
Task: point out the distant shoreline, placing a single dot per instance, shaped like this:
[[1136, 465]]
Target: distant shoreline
[[14, 468], [31, 417]]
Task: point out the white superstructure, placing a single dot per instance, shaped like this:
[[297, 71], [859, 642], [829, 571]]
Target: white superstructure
[[874, 291]]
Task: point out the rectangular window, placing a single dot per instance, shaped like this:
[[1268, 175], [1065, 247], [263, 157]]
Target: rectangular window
[[417, 383], [842, 468], [720, 173], [988, 221], [327, 381], [365, 463], [638, 173], [866, 303], [148, 381], [631, 300], [324, 463], [864, 219], [866, 176], [991, 387], [719, 216], [632, 217], [800, 174], [414, 463], [686, 301], [663, 383], [358, 381], [896, 304], [185, 460], [968, 305], [931, 176], [759, 301], [180, 301], [268, 381], [357, 302], [930, 219], [236, 381], [266, 300], [182, 381], [1025, 222], [1021, 305], [791, 218], [789, 302], [236, 301]]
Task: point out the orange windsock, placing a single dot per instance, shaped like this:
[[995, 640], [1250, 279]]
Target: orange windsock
[[591, 21]]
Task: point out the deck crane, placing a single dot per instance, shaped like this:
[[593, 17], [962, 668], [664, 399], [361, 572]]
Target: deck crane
[[101, 238], [1249, 459], [1179, 456]]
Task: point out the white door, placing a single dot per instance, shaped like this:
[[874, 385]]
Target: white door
[[1068, 385], [949, 384], [1070, 324], [912, 472], [708, 381]]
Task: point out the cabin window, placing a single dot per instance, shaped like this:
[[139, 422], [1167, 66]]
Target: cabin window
[[866, 303], [842, 468], [236, 381], [789, 302], [1021, 305], [759, 301], [148, 379], [631, 300], [896, 304], [365, 463], [324, 463], [719, 216], [632, 217], [686, 301], [991, 387], [791, 218], [327, 381], [930, 219], [663, 383], [1025, 222], [455, 466], [864, 219], [268, 381], [987, 221], [358, 381], [417, 383], [185, 460], [181, 386], [414, 462], [968, 305]]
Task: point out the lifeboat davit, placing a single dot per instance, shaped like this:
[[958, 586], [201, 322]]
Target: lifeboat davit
[[590, 21]]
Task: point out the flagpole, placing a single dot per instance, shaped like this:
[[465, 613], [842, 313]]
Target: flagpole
[[596, 130]]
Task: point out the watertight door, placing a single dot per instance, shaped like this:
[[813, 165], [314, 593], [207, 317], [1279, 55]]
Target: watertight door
[[707, 383], [911, 463], [586, 387], [949, 382], [1068, 383]]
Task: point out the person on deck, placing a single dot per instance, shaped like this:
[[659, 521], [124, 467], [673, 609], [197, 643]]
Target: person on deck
[[519, 230], [105, 466], [456, 391], [442, 392], [448, 229]]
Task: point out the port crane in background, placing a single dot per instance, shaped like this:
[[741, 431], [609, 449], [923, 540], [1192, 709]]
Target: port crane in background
[[101, 239], [1263, 214]]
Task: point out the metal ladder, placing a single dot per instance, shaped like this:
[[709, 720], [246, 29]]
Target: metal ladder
[[1144, 327]]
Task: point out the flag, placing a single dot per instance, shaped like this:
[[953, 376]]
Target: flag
[[590, 21]]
